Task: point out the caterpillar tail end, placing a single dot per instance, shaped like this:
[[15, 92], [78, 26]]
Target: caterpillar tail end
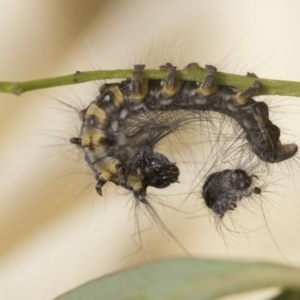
[[286, 151]]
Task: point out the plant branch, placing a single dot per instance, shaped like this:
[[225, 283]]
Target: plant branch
[[269, 86]]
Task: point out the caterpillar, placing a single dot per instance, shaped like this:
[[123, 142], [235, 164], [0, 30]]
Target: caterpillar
[[122, 126]]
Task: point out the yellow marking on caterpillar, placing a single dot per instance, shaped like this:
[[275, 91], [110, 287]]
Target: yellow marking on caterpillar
[[206, 91], [91, 137], [108, 168], [118, 98], [96, 112], [240, 99], [140, 95], [91, 133], [135, 181], [171, 90]]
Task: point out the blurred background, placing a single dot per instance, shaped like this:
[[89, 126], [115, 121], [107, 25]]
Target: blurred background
[[55, 231]]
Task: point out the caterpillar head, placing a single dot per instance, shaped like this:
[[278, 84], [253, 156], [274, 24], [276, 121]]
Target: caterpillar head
[[149, 168]]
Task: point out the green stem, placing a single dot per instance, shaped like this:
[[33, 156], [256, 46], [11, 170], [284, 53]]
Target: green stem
[[269, 87]]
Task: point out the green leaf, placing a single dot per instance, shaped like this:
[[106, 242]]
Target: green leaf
[[187, 279], [288, 295]]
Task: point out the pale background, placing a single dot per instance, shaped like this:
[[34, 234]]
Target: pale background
[[55, 232]]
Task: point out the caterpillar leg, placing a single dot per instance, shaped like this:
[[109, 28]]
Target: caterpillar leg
[[139, 86], [170, 85], [208, 86], [244, 96], [99, 185]]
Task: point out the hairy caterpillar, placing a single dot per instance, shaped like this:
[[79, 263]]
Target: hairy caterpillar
[[121, 127]]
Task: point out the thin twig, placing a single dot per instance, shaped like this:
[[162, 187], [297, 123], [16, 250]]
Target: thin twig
[[269, 86]]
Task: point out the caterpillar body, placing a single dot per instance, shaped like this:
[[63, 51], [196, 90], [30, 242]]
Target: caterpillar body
[[121, 127]]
